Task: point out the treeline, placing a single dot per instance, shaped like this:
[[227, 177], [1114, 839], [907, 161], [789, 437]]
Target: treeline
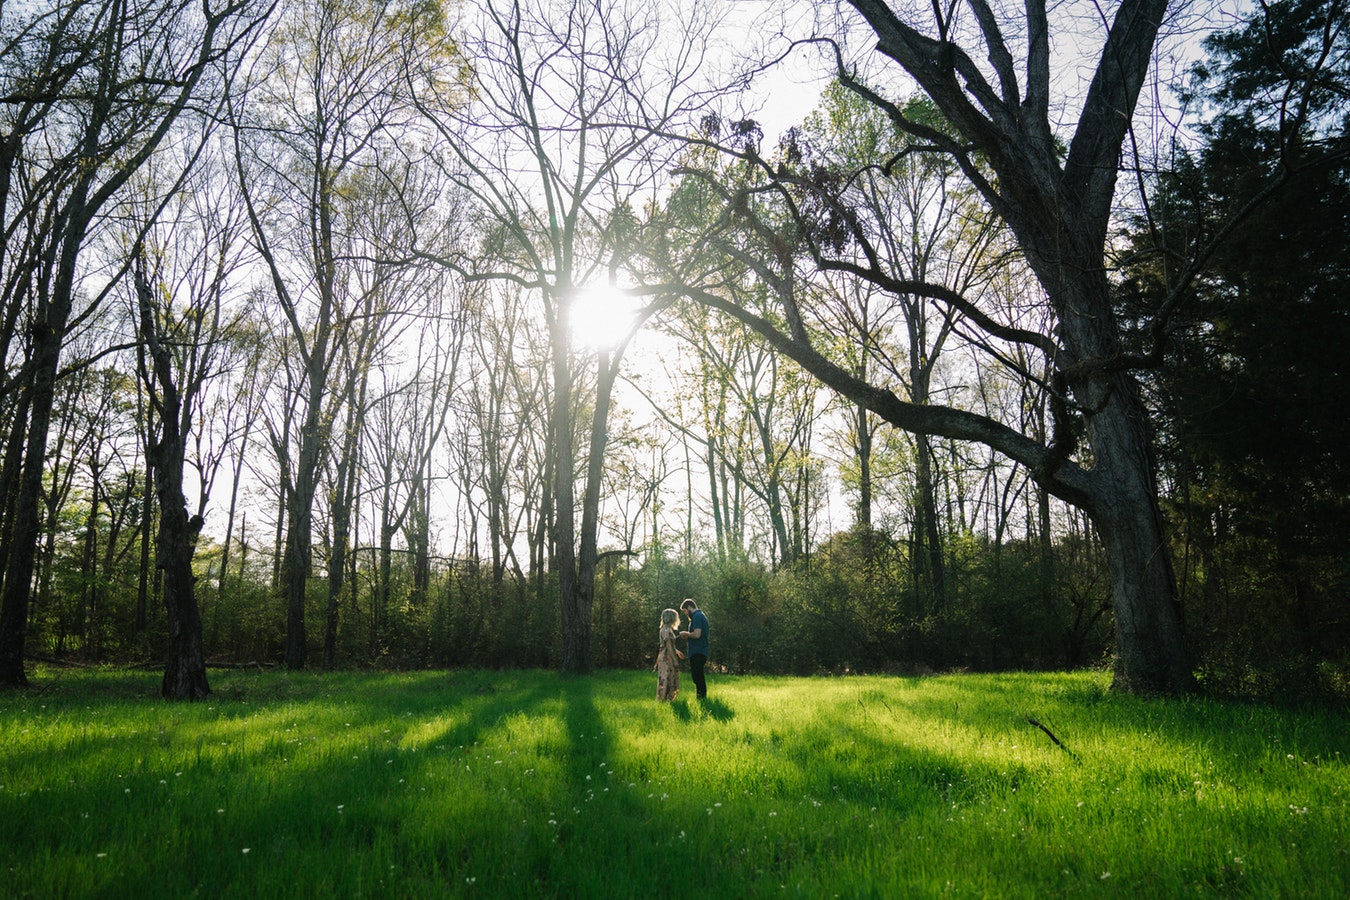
[[854, 607]]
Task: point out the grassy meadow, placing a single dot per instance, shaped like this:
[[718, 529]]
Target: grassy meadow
[[529, 784]]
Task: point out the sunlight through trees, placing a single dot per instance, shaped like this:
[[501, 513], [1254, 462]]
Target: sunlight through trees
[[479, 333]]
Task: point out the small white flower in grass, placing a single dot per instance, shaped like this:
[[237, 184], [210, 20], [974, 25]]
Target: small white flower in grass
[[246, 849]]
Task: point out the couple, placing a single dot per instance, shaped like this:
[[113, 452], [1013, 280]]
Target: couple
[[668, 657]]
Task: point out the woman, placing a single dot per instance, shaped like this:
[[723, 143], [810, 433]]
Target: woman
[[667, 657]]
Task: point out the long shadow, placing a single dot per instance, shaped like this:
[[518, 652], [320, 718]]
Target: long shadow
[[717, 709], [688, 711]]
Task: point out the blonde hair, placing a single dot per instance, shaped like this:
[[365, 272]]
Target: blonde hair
[[670, 617]]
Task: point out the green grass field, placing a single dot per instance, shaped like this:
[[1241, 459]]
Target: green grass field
[[529, 784]]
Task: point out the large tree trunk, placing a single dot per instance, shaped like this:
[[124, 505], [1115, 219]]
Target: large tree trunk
[[298, 563], [295, 569], [928, 544], [19, 566], [590, 506], [48, 332], [1151, 654], [343, 502], [185, 672], [1059, 207], [575, 610]]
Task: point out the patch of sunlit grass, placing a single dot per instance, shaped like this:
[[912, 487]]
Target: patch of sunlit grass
[[530, 784]]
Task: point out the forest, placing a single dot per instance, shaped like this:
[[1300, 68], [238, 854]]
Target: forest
[[905, 338]]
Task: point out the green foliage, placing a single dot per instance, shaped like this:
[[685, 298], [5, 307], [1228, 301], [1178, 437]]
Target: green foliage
[[1250, 398], [853, 608], [466, 783]]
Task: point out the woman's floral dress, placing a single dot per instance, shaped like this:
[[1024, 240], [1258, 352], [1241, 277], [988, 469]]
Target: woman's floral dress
[[667, 666]]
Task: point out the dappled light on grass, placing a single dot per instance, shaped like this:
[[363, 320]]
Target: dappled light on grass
[[527, 784]]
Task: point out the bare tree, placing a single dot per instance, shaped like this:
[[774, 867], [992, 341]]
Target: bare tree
[[123, 74], [185, 273], [500, 435], [569, 102], [325, 114], [925, 225], [990, 76]]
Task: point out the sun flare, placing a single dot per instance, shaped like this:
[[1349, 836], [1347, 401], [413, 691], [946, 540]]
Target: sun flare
[[601, 316]]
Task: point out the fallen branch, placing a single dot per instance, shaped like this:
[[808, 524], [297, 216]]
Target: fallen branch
[[1051, 735]]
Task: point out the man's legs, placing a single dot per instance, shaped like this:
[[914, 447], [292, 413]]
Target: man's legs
[[696, 663]]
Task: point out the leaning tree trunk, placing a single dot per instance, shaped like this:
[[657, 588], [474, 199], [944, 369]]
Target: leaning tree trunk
[[1059, 206], [1151, 655]]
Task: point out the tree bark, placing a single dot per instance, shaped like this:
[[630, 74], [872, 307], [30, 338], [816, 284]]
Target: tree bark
[[575, 616], [185, 672], [123, 127], [1059, 214], [175, 543]]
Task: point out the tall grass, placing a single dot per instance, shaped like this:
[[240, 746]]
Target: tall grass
[[528, 784]]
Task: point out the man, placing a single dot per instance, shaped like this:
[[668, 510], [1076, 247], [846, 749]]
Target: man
[[698, 645]]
